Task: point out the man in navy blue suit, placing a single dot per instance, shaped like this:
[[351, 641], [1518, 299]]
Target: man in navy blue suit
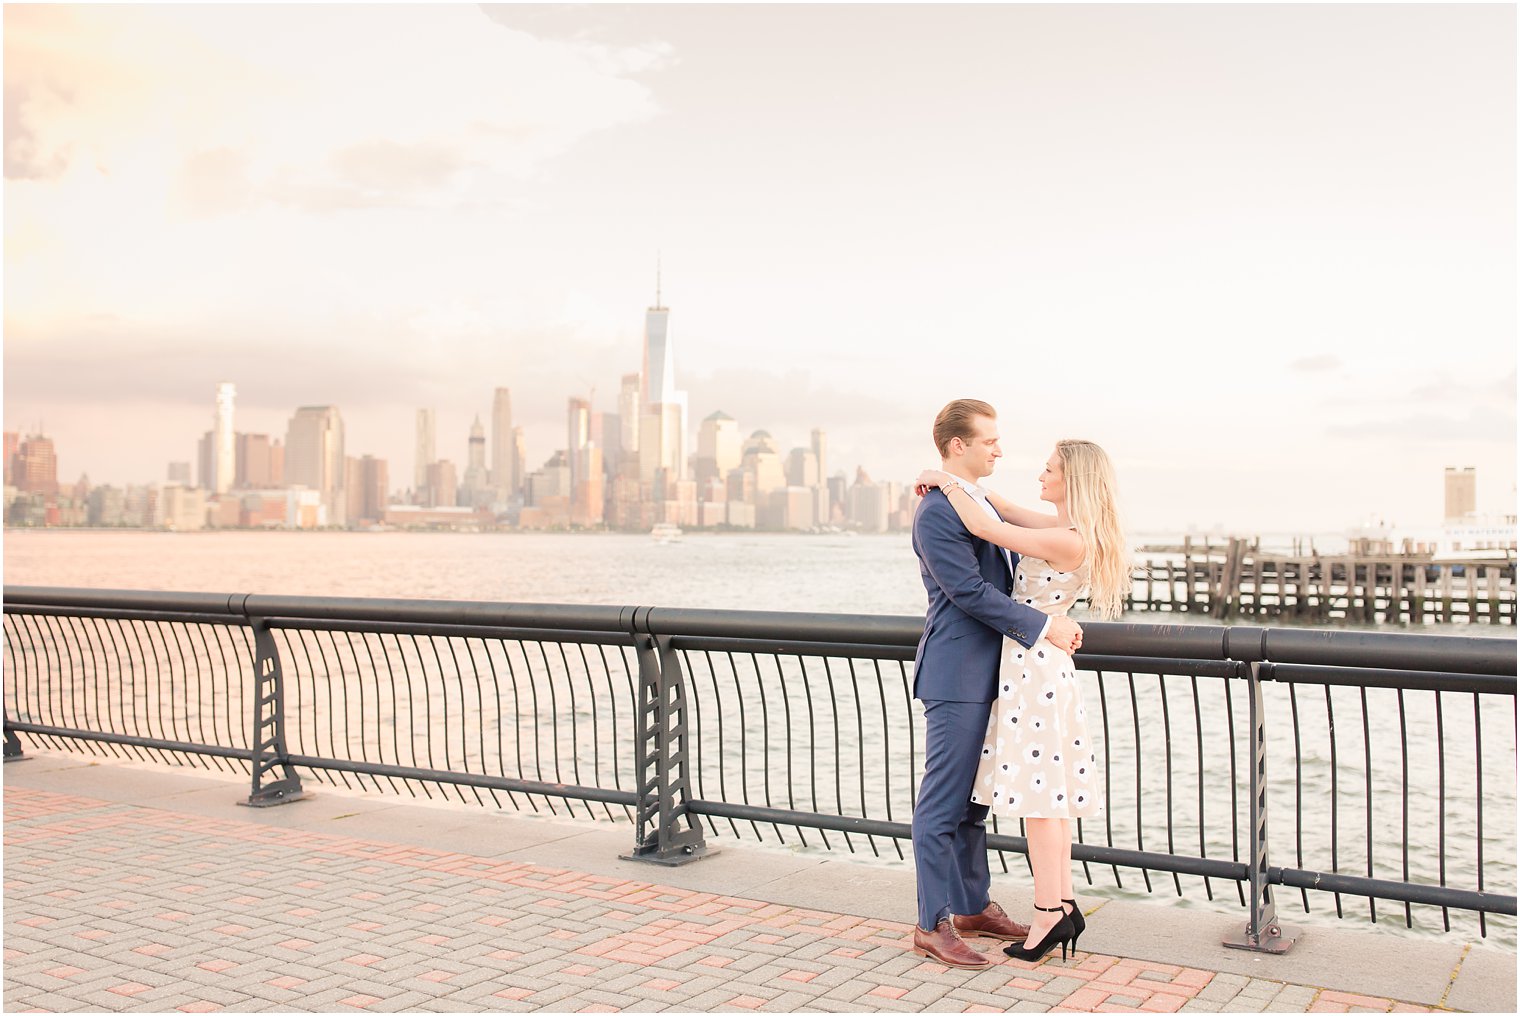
[[971, 611]]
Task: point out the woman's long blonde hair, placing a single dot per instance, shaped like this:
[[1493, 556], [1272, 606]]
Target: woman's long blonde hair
[[1092, 503]]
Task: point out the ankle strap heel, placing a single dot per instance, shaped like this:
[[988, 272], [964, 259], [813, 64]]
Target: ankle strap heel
[[1060, 935]]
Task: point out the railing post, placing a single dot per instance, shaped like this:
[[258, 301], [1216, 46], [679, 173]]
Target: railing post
[[269, 748], [665, 832], [1263, 932], [13, 752]]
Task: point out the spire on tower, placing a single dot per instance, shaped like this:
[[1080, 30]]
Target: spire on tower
[[657, 304]]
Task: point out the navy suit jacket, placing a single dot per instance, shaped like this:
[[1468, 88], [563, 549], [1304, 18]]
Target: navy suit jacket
[[970, 607]]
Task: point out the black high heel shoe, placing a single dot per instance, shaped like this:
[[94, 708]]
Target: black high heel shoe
[[1060, 934], [1078, 923]]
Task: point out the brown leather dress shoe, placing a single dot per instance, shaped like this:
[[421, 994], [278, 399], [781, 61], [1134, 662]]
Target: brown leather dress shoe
[[992, 922], [943, 945]]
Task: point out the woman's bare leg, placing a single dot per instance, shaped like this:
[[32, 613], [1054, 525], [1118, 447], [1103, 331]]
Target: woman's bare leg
[[1045, 859], [1066, 892]]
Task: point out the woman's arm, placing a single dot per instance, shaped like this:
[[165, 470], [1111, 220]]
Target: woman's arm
[[1025, 517], [1029, 518], [1061, 547]]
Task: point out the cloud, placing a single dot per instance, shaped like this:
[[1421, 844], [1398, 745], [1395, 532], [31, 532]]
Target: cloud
[[1479, 425], [1318, 362], [149, 92]]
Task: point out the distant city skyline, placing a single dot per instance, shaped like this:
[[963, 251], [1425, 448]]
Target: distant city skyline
[[1264, 254]]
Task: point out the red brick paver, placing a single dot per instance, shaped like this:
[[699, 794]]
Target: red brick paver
[[400, 926]]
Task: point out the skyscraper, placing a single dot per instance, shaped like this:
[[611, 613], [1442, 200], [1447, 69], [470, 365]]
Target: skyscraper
[[314, 456], [820, 451], [255, 462], [718, 447], [630, 408], [578, 436], [224, 443], [427, 448], [367, 484], [519, 458], [476, 489], [662, 423], [1461, 492], [36, 466], [12, 445], [503, 469]]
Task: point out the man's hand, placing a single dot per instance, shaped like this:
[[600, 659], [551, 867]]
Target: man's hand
[[1065, 634]]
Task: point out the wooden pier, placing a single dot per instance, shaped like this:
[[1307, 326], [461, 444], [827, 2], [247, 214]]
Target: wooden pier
[[1236, 578]]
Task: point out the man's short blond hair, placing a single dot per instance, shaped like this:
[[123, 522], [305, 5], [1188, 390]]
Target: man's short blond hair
[[957, 420]]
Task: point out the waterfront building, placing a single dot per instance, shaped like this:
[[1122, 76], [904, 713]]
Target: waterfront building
[[179, 472], [802, 468], [224, 444], [314, 456], [426, 451], [442, 485], [550, 511], [626, 503], [105, 505], [205, 460], [224, 511], [504, 472], [35, 466], [607, 434], [1461, 492], [868, 504], [587, 501], [180, 508], [476, 490], [460, 518], [838, 486], [819, 443], [741, 515], [519, 460], [139, 505], [12, 445], [712, 514], [368, 486], [577, 438], [762, 462], [289, 508], [260, 462], [630, 411], [551, 480], [790, 508], [718, 446]]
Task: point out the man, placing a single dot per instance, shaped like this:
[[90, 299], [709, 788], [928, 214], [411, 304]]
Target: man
[[955, 676]]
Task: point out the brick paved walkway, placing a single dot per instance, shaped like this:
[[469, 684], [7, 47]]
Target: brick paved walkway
[[114, 906]]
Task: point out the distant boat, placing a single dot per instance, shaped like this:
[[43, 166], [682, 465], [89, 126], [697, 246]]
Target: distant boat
[[666, 532]]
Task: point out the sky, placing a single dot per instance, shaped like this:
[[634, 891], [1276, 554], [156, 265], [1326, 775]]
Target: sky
[[1265, 255]]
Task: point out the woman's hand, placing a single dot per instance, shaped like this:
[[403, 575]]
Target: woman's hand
[[928, 480]]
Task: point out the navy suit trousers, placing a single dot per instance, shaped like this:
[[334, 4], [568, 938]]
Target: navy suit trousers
[[949, 832]]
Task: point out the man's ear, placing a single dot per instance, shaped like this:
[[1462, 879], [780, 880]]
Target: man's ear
[[957, 446]]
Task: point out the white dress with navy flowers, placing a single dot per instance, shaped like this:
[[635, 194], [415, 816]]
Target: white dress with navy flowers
[[1038, 760]]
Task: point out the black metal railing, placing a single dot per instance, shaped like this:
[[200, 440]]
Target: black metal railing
[[1385, 760]]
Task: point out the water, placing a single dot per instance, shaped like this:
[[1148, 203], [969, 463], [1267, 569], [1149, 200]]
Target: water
[[878, 574]]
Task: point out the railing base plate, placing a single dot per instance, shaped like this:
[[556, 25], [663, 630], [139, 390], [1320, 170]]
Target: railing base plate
[[675, 859], [1277, 939], [275, 794]]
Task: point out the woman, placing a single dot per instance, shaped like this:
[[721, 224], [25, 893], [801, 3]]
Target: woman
[[1038, 762]]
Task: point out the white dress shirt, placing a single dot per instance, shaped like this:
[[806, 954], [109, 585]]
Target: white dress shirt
[[980, 496]]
